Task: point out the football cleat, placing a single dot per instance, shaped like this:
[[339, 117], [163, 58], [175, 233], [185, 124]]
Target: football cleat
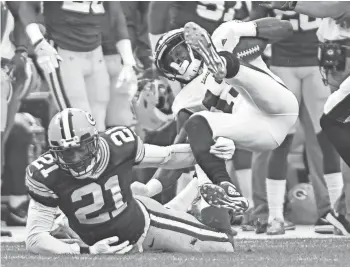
[[322, 226], [276, 227], [200, 41], [340, 223], [224, 196]]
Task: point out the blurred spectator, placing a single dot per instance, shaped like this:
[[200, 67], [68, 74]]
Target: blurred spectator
[[74, 28], [119, 110], [136, 13], [24, 144]]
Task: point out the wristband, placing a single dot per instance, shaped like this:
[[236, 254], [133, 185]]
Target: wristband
[[37, 42], [232, 64], [21, 49], [34, 33]]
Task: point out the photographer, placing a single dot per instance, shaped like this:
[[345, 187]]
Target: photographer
[[334, 60]]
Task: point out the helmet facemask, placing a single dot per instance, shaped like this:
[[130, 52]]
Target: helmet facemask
[[79, 157]]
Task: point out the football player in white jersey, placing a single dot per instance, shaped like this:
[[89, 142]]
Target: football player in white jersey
[[241, 101]]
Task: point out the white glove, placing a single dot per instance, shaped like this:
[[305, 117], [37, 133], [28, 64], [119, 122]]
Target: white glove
[[104, 246], [223, 148], [47, 56], [61, 225], [128, 76], [139, 189]]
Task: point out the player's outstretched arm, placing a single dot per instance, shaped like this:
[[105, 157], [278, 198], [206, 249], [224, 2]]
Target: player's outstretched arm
[[317, 9], [168, 157], [173, 157], [39, 240], [272, 29]]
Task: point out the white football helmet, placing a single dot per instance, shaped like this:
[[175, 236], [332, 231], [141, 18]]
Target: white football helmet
[[175, 59]]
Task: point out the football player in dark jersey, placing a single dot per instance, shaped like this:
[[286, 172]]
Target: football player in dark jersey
[[88, 174], [74, 65]]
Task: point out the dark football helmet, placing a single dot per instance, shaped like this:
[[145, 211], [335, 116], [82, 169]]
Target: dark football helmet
[[175, 59]]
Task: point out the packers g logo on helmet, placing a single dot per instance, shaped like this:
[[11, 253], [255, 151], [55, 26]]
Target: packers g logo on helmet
[[90, 119]]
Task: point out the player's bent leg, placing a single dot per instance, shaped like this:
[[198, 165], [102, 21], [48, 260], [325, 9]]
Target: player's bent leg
[[97, 88], [241, 127], [175, 231], [183, 200], [119, 109], [201, 138], [266, 91]]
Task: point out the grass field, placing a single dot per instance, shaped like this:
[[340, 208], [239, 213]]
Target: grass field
[[249, 252]]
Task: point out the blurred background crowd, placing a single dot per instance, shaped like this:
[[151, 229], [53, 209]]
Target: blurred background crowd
[[306, 158]]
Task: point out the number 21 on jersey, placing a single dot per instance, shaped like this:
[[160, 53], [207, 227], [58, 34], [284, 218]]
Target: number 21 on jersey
[[120, 135], [112, 194]]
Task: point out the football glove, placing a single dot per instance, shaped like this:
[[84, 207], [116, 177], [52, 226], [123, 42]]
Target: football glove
[[128, 76], [139, 189], [223, 148], [47, 56], [105, 246]]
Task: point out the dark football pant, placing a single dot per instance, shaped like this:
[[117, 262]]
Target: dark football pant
[[16, 154]]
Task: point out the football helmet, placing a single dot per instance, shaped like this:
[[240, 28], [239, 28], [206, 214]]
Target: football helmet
[[74, 142], [175, 59], [153, 100]]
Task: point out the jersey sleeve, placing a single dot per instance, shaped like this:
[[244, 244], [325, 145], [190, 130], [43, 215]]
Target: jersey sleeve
[[124, 144], [191, 96], [35, 183]]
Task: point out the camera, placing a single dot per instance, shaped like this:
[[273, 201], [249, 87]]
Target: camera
[[332, 56]]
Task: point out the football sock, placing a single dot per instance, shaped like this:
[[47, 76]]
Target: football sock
[[334, 183], [276, 190], [200, 137], [202, 177], [184, 199]]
